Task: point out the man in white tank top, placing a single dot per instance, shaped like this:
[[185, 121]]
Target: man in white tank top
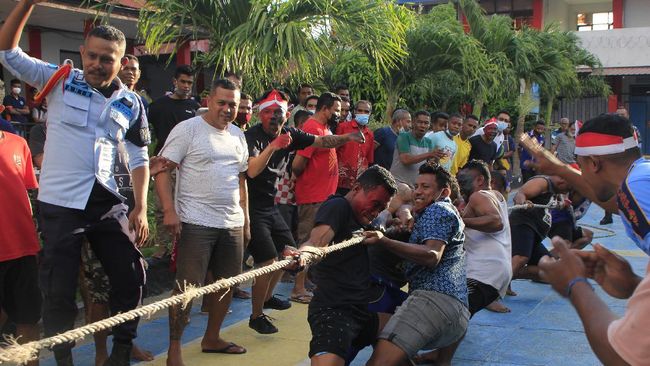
[[487, 244]]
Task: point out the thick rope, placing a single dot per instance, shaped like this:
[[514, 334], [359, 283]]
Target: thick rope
[[553, 204], [608, 233], [23, 353]]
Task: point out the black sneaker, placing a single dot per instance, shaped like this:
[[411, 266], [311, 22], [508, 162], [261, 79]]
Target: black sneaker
[[262, 324], [277, 303]]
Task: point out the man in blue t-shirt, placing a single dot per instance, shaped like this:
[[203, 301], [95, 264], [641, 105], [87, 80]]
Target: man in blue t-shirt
[[15, 104], [386, 137], [444, 140], [436, 312]]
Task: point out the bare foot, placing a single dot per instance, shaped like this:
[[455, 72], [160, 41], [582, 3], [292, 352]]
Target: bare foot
[[498, 307], [140, 355], [509, 291], [426, 357]]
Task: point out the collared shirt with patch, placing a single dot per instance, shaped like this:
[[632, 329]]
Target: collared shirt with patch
[[83, 133]]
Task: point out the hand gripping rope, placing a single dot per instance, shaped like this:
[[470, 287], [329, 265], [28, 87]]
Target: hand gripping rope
[[23, 353]]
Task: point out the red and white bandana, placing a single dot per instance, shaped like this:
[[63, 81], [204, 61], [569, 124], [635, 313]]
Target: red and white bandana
[[274, 98], [594, 143]]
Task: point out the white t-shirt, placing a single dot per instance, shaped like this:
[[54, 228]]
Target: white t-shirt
[[207, 183], [489, 255]]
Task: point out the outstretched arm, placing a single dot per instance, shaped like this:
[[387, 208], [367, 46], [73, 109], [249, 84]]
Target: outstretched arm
[[14, 24]]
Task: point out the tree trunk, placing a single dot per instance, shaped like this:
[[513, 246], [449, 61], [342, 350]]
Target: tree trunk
[[392, 97], [478, 108], [523, 111], [549, 121]]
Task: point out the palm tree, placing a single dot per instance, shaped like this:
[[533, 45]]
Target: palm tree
[[277, 41], [437, 45]]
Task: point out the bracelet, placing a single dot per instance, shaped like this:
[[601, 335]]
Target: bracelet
[[573, 282]]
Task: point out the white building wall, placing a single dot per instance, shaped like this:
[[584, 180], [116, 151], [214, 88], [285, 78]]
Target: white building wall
[[576, 9], [557, 11], [636, 13]]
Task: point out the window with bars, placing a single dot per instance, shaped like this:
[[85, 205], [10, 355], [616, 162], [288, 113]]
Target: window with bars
[[595, 21]]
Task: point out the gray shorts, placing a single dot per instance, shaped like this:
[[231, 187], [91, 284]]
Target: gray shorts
[[202, 248], [426, 320]]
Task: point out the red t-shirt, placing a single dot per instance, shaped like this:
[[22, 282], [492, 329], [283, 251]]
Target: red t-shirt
[[321, 176], [17, 230], [354, 158]]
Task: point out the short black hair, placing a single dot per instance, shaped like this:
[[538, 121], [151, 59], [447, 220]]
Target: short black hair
[[246, 96], [14, 81], [132, 57], [326, 100], [480, 167], [341, 87], [455, 115], [224, 84], [503, 111], [284, 95], [301, 116], [183, 70], [345, 99], [613, 124], [436, 115], [444, 179], [108, 33], [356, 105], [305, 85], [377, 176], [540, 122], [422, 113], [471, 116]]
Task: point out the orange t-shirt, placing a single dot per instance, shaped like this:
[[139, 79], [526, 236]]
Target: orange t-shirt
[[630, 335], [321, 176], [17, 230]]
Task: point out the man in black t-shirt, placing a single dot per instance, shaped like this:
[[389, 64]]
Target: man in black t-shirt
[[270, 145], [483, 146], [167, 111], [338, 314]]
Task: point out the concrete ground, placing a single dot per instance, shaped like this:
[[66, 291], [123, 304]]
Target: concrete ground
[[542, 329]]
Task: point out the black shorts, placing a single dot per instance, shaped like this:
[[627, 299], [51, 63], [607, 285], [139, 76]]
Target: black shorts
[[339, 329], [20, 295], [527, 243], [269, 234], [566, 230], [480, 295]]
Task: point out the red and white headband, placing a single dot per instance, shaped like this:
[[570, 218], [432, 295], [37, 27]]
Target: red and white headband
[[274, 98], [594, 143]]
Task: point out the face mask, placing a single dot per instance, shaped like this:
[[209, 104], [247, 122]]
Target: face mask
[[501, 126], [362, 119], [182, 93], [16, 90], [243, 118], [334, 120]]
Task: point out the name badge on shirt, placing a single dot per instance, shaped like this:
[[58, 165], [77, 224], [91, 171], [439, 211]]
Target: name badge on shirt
[[121, 113]]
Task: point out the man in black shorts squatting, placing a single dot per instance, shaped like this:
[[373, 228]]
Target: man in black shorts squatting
[[529, 227], [270, 145], [338, 314]]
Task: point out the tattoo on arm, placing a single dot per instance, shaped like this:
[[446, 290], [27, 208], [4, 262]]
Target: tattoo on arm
[[332, 141]]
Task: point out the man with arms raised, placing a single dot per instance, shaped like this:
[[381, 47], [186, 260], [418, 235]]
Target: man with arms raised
[[616, 177], [210, 217], [92, 111], [270, 145]]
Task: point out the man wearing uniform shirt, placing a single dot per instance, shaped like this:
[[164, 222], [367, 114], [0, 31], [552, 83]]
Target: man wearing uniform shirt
[[270, 145], [90, 113], [615, 176], [15, 104]]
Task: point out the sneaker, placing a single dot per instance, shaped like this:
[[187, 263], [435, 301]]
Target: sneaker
[[262, 324], [277, 304]]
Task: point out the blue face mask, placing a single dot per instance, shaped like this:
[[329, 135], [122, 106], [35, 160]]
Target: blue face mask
[[501, 126], [362, 119]]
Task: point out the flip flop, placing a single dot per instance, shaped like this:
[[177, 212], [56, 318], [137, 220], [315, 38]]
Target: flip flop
[[302, 299], [227, 350]]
